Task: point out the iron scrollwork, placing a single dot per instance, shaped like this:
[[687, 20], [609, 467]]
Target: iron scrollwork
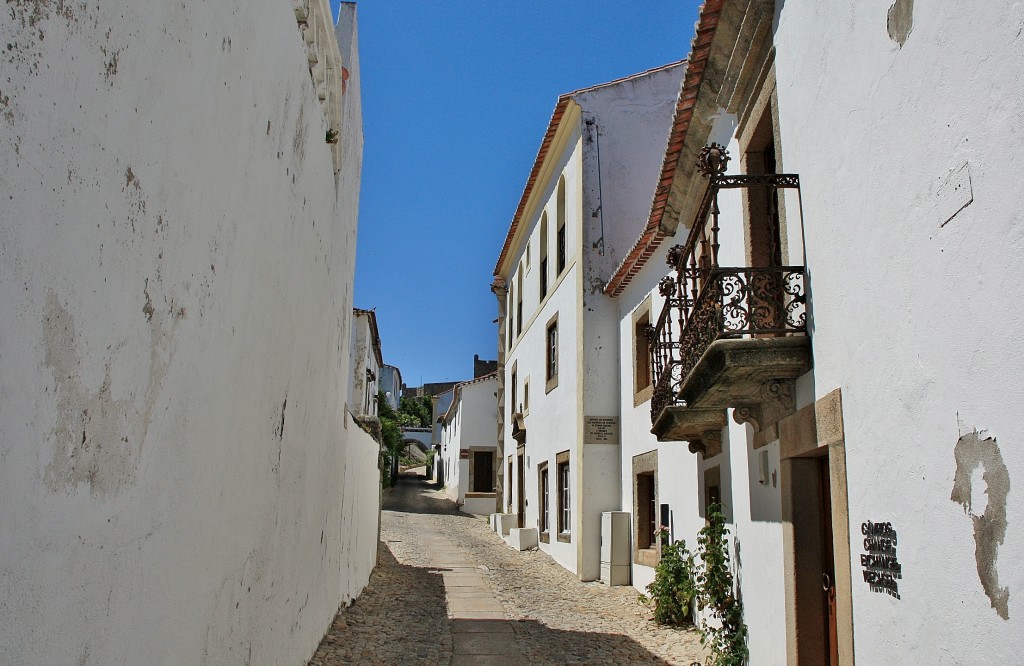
[[705, 302]]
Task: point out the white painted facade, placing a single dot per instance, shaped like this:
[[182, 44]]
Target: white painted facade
[[177, 239], [919, 337], [366, 363], [467, 432], [909, 228], [593, 176], [391, 383]]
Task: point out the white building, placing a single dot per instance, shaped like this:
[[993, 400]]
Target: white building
[[585, 201], [177, 244], [366, 363], [846, 374], [390, 382], [468, 454]]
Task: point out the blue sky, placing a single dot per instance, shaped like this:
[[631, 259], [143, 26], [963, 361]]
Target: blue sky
[[456, 97]]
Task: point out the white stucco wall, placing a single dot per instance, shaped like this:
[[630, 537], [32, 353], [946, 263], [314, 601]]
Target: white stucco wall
[[176, 259], [469, 425], [914, 316], [554, 419], [364, 377]]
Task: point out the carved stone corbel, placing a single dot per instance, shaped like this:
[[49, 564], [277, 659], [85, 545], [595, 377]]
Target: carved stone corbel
[[712, 443], [779, 393], [709, 445], [748, 414]]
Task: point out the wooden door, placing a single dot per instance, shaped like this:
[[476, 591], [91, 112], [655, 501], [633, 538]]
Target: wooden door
[[828, 566], [520, 491]]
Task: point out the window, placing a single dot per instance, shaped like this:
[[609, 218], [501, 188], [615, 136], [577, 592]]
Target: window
[[526, 396], [519, 301], [560, 226], [642, 379], [712, 487], [551, 355], [645, 509], [515, 383], [508, 315], [564, 507], [646, 518], [483, 471], [561, 249], [543, 256], [508, 482], [543, 488]]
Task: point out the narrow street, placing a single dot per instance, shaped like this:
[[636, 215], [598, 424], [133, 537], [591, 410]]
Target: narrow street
[[448, 590]]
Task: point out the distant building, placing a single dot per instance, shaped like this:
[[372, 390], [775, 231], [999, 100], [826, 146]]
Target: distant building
[[391, 384], [468, 452], [482, 367], [427, 390], [366, 363]]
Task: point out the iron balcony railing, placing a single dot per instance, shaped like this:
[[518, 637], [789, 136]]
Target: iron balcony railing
[[705, 302]]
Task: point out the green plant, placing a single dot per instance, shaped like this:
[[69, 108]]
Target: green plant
[[332, 136], [725, 635], [674, 588]]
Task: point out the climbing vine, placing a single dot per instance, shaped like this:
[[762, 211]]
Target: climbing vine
[[722, 629], [680, 582]]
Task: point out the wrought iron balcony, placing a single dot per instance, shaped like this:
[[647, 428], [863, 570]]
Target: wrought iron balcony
[[726, 337]]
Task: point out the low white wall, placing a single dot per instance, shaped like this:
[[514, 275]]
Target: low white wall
[[360, 516], [478, 506]]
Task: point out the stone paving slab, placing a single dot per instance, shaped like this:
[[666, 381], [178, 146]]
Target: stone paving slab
[[484, 643], [486, 626]]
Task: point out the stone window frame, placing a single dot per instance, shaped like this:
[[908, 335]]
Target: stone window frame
[[564, 497], [544, 502], [641, 346], [551, 354], [526, 395], [644, 463]]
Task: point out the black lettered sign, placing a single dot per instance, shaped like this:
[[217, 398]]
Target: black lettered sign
[[882, 569]]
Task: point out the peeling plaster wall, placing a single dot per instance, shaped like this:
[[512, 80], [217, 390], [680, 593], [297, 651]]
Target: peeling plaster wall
[[176, 265], [914, 270]]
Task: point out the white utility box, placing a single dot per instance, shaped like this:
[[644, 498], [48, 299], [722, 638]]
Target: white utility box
[[615, 548]]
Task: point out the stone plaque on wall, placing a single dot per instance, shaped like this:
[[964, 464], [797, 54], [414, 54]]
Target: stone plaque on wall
[[601, 429]]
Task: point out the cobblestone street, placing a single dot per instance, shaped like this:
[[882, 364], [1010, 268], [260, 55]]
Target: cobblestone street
[[448, 590]]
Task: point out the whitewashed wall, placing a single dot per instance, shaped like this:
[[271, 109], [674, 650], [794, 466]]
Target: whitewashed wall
[[364, 376], [914, 316], [553, 423], [471, 425], [176, 258]]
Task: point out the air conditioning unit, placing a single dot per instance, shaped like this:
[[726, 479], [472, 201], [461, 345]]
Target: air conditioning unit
[[615, 548]]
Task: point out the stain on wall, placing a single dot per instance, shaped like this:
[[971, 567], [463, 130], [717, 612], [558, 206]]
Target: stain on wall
[[974, 452], [97, 438], [900, 21]]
